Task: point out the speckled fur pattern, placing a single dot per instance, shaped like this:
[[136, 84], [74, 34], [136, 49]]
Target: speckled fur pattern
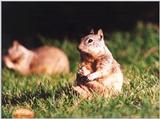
[[98, 71]]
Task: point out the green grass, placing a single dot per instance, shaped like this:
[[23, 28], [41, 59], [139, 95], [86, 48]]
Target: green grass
[[52, 96]]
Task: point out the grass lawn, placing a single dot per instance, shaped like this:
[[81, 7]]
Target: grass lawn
[[52, 96]]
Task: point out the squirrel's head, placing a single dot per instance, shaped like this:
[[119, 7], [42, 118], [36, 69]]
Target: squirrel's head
[[15, 51], [92, 44]]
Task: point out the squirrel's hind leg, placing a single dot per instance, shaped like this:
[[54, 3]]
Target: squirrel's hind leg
[[83, 91]]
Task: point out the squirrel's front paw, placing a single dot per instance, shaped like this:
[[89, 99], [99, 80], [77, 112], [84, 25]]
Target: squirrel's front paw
[[91, 77], [80, 72], [83, 71]]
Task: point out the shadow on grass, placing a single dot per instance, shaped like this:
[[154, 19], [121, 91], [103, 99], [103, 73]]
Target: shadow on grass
[[25, 97], [39, 94], [65, 90]]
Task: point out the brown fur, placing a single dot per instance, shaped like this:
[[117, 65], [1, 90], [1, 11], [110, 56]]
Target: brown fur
[[98, 71], [48, 60]]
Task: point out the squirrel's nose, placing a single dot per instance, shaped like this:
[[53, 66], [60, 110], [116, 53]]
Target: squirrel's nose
[[79, 47]]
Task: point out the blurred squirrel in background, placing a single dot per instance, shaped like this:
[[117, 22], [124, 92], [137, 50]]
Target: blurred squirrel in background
[[47, 60], [98, 71]]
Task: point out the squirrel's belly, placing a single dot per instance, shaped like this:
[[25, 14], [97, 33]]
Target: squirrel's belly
[[114, 81]]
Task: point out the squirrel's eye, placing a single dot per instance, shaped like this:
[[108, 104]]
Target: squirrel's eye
[[90, 40]]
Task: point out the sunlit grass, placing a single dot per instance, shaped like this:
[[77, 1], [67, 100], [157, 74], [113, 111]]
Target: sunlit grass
[[52, 96]]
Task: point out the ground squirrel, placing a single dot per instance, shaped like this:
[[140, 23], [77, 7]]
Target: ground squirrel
[[45, 59], [98, 70]]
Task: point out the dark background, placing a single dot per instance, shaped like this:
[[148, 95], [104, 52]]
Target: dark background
[[21, 20]]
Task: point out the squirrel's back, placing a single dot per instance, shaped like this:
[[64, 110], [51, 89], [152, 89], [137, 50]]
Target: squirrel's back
[[50, 60]]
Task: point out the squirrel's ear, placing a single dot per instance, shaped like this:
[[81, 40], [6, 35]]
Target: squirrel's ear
[[92, 31], [100, 33]]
